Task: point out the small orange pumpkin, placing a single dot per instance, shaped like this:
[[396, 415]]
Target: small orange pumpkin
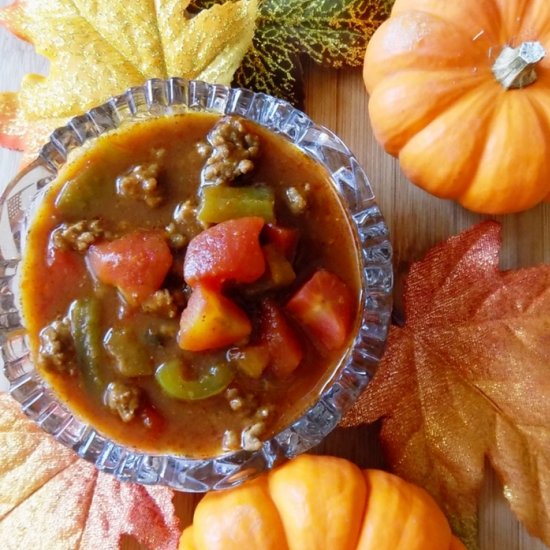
[[460, 92], [320, 503]]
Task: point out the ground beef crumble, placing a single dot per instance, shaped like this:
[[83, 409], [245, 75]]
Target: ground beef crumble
[[176, 240], [229, 153], [78, 236], [250, 437], [184, 225], [123, 399], [296, 201], [160, 303], [141, 182], [244, 404], [255, 419], [56, 350]]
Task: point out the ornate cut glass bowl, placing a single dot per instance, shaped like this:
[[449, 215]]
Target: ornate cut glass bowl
[[163, 98]]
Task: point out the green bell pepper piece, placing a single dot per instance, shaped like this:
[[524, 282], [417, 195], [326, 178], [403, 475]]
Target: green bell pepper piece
[[131, 357], [84, 315], [74, 199], [220, 203], [211, 382]]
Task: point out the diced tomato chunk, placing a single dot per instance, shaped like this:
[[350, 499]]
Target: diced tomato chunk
[[211, 321], [324, 306], [285, 349], [283, 238], [136, 263], [229, 251]]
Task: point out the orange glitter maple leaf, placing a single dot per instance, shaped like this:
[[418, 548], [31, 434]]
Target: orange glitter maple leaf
[[467, 379], [50, 498]]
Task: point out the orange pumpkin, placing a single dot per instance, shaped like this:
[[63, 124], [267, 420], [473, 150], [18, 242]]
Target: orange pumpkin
[[320, 503], [460, 92]]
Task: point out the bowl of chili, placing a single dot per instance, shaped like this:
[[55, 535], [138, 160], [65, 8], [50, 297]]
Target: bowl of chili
[[196, 284]]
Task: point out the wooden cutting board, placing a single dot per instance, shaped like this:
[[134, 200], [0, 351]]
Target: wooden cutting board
[[416, 220]]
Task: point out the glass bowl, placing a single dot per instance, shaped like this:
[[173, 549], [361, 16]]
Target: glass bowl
[[174, 96]]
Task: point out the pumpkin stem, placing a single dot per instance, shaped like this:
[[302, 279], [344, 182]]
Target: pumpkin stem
[[515, 67]]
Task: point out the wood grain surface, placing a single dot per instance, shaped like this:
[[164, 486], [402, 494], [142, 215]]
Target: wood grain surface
[[416, 221]]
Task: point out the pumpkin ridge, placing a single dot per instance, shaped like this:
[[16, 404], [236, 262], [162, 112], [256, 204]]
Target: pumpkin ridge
[[512, 18], [536, 20], [461, 14], [541, 107], [414, 41], [543, 111], [454, 24], [303, 492], [219, 518], [451, 185], [415, 516], [525, 184], [417, 115]]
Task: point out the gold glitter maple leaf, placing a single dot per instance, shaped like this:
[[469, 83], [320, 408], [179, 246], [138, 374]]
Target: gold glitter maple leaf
[[99, 48], [333, 33]]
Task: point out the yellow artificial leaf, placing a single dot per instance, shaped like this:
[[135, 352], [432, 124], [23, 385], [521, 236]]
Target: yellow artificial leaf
[[99, 48], [9, 130], [16, 133]]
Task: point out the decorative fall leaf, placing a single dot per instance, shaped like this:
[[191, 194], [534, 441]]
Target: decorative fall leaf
[[468, 379], [99, 48], [16, 133], [50, 498], [11, 135], [332, 33]]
